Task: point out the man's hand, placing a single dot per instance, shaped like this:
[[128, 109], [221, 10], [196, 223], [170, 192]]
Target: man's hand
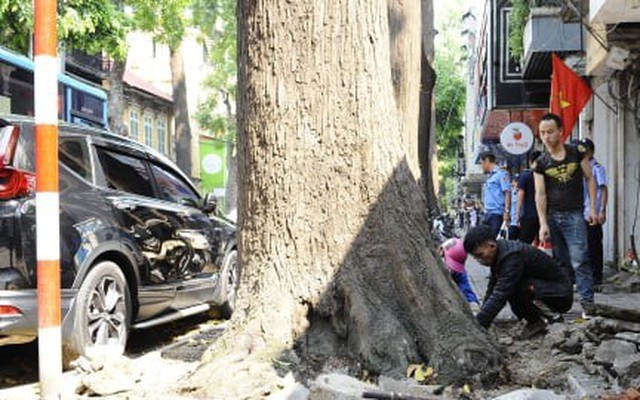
[[602, 217], [506, 217], [544, 235], [592, 218]]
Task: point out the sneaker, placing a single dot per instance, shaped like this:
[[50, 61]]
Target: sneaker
[[549, 315], [588, 309], [532, 329]]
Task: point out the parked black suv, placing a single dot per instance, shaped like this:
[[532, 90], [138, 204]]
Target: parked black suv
[[139, 246]]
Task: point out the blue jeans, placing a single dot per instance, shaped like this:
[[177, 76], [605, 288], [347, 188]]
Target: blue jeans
[[568, 231]]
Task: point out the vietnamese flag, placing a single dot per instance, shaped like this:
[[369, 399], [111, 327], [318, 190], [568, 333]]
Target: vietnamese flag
[[569, 94]]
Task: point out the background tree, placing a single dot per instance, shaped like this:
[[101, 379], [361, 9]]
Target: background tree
[[427, 149], [334, 239], [217, 114], [450, 97], [93, 26], [167, 21]]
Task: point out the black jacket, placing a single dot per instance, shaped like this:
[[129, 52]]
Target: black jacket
[[520, 266]]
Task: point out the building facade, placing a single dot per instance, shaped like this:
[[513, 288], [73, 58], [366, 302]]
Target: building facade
[[151, 60], [148, 114]]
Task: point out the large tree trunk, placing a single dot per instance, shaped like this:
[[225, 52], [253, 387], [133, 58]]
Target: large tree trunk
[[404, 31], [116, 98], [426, 126], [181, 111], [334, 239]]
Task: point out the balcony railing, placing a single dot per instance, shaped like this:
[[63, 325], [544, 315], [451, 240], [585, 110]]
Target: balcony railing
[[96, 64]]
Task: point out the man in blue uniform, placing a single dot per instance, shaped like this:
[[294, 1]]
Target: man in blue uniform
[[594, 231], [497, 194]]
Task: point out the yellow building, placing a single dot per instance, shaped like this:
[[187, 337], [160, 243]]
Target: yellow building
[[148, 114]]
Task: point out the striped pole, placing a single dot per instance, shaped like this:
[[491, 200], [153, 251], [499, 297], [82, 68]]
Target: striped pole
[[47, 199]]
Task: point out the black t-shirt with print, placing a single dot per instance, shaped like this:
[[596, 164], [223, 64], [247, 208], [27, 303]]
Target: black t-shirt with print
[[563, 179]]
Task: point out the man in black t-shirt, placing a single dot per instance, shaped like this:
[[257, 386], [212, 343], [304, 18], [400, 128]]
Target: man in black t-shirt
[[558, 177]]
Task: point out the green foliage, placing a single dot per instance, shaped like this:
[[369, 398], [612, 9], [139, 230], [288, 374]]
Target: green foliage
[[450, 100], [89, 25], [16, 24], [166, 20], [517, 21], [450, 93], [217, 20], [219, 126]]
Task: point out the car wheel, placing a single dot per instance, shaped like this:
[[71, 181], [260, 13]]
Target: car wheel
[[230, 280], [102, 312]]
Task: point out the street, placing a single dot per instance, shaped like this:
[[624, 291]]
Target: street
[[183, 340]]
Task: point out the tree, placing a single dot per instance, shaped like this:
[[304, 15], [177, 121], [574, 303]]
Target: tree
[[427, 150], [92, 26], [217, 20], [450, 97], [167, 21], [333, 238]]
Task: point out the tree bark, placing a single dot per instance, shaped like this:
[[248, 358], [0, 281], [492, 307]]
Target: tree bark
[[115, 103], [181, 111], [334, 239], [427, 152], [405, 37]]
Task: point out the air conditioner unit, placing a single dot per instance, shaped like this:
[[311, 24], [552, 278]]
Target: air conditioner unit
[[617, 57]]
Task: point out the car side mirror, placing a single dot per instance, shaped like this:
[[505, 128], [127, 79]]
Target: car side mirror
[[210, 204]]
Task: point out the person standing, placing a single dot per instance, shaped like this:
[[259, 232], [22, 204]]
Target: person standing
[[526, 204], [497, 194], [594, 231], [558, 178]]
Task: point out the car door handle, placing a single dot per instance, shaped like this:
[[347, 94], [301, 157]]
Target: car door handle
[[124, 205]]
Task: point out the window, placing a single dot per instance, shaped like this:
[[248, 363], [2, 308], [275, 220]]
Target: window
[[134, 124], [161, 127], [86, 105], [148, 131], [173, 187], [73, 153], [126, 173]]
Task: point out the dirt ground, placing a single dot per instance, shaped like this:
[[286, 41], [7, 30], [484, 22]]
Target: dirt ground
[[572, 360]]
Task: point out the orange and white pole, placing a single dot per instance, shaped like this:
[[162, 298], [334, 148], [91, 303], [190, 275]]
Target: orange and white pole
[[47, 198]]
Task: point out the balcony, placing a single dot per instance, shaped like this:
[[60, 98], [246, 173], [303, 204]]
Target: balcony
[[546, 33], [90, 67], [614, 11]]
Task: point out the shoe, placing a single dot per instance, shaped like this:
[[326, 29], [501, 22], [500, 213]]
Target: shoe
[[548, 314], [588, 309], [532, 329]]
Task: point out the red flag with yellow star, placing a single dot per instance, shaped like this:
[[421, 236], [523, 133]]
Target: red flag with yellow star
[[569, 95]]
